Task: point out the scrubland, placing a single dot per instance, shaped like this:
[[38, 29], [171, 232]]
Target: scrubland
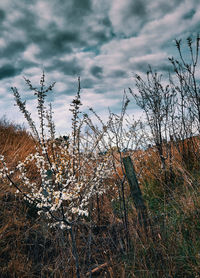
[[67, 209]]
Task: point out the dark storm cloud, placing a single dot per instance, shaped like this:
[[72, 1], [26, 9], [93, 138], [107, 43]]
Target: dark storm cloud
[[60, 43], [105, 42], [189, 14], [64, 37], [106, 22], [2, 15], [101, 36], [50, 40], [14, 48], [118, 73], [96, 71], [81, 6], [73, 11], [54, 41], [8, 71], [66, 67], [137, 8], [49, 49], [24, 64], [27, 20]]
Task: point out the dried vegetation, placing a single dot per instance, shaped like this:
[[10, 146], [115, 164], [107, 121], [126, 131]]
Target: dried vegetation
[[95, 231]]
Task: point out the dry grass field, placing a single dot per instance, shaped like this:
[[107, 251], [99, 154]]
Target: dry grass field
[[28, 248]]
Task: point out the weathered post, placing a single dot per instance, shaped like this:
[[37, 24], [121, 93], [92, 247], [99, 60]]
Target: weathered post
[[136, 193]]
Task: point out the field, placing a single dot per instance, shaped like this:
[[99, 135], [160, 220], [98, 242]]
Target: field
[[30, 249], [115, 199]]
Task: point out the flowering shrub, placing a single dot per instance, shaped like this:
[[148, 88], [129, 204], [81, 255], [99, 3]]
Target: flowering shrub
[[59, 194], [67, 174]]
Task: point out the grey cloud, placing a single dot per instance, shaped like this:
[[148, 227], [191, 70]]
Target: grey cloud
[[88, 26], [41, 37], [82, 5], [79, 9], [51, 41], [27, 22], [166, 7], [140, 66], [49, 49], [68, 68], [189, 14], [96, 71], [8, 71], [2, 15], [164, 68], [128, 17], [62, 42], [118, 73], [24, 64], [87, 83], [13, 48], [64, 37], [161, 67], [38, 36], [106, 22], [54, 41], [137, 8], [73, 10], [92, 37], [102, 35]]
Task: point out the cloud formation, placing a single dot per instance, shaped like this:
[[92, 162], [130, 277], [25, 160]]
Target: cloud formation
[[104, 42]]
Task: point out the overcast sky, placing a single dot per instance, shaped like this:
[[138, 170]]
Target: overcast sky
[[105, 42]]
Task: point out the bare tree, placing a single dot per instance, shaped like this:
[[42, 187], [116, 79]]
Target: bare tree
[[157, 101], [186, 85]]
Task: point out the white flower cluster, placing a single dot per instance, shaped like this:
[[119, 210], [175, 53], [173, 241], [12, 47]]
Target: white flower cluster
[[3, 170], [62, 177], [59, 191]]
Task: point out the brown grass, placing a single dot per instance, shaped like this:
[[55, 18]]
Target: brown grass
[[29, 249]]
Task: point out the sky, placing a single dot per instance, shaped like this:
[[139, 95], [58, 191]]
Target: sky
[[105, 42]]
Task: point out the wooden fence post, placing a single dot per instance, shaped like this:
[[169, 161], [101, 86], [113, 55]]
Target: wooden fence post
[[136, 193]]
